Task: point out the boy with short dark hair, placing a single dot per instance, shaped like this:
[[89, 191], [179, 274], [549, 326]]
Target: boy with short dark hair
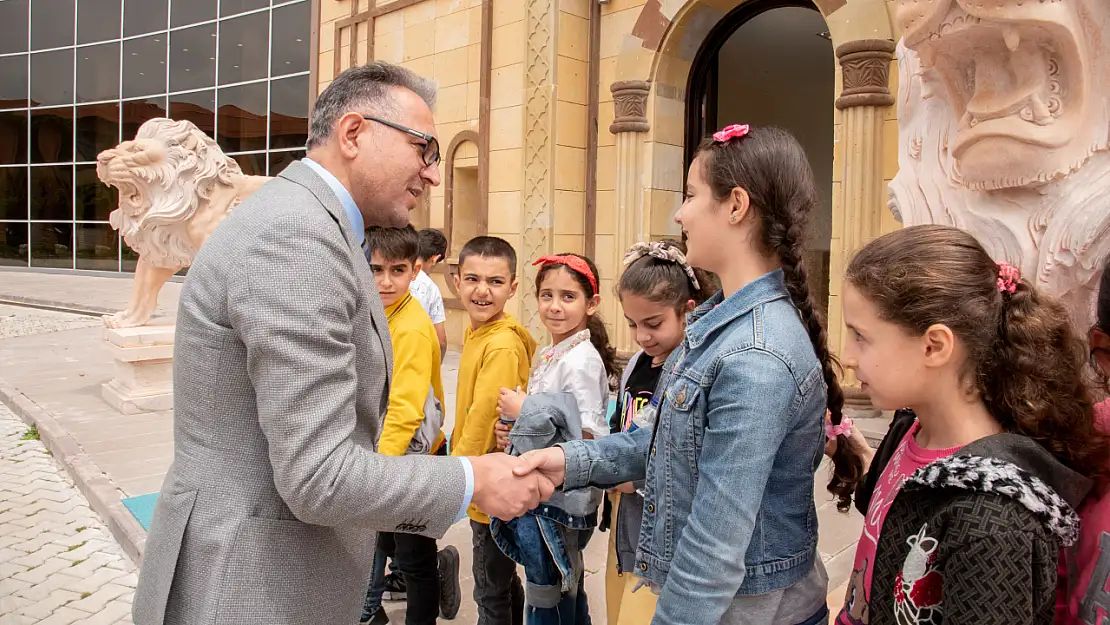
[[433, 249], [497, 352], [412, 425]]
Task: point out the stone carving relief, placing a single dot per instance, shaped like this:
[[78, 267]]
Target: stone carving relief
[[865, 65], [630, 104], [538, 149], [175, 186], [1004, 126]]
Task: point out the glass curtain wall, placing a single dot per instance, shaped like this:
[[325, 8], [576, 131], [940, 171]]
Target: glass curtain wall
[[80, 76]]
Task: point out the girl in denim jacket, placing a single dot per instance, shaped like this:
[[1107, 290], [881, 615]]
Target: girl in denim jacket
[[729, 529]]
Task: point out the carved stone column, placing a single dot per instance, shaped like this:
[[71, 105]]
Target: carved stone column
[[633, 222], [539, 152], [865, 65]]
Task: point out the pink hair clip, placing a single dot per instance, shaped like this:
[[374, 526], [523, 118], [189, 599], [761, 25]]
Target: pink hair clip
[[734, 131], [1008, 278], [845, 428]]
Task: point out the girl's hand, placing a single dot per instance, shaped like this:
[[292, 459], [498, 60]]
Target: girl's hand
[[510, 402], [627, 488], [501, 431]]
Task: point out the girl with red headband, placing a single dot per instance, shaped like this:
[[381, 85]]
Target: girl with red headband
[[577, 367]]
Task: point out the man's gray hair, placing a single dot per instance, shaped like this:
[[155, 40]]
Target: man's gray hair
[[365, 89]]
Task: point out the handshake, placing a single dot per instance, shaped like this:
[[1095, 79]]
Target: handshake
[[506, 487]]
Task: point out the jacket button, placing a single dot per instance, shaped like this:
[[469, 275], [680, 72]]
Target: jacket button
[[651, 507], [643, 566]]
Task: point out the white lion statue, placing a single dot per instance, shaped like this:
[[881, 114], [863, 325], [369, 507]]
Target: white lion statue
[[1004, 130], [175, 186]]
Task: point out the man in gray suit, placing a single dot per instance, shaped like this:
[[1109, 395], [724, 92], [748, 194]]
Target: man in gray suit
[[283, 364]]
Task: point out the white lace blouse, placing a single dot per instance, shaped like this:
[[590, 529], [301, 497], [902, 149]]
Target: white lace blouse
[[574, 366]]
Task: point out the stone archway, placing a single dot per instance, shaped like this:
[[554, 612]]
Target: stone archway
[[652, 75]]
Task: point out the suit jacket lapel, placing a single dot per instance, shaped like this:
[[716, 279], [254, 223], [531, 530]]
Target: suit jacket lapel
[[303, 175]]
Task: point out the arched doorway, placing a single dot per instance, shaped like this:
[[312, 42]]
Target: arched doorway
[[771, 63]]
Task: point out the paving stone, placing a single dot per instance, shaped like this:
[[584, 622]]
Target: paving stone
[[58, 564]]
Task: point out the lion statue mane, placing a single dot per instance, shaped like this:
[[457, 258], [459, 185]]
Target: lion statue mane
[[169, 169]]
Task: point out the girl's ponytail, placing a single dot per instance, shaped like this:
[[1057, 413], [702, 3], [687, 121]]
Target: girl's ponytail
[[1025, 361]]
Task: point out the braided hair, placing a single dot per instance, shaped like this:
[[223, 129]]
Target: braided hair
[[772, 167]]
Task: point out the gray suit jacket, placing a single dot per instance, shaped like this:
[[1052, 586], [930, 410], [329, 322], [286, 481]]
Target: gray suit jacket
[[281, 380]]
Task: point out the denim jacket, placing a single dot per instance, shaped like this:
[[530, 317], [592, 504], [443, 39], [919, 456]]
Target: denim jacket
[[540, 539], [729, 507]]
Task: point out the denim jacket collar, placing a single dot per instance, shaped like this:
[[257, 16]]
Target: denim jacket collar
[[718, 311]]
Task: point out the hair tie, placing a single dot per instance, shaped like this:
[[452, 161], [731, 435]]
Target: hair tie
[[832, 431], [1008, 278], [664, 252], [575, 263], [728, 133]]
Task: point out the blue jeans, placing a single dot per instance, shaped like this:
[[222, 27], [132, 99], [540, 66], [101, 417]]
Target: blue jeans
[[373, 601], [549, 543]]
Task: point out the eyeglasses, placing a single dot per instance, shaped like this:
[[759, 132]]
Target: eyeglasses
[[430, 150]]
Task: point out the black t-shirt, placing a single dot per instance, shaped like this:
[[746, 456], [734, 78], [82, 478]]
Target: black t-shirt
[[636, 394]]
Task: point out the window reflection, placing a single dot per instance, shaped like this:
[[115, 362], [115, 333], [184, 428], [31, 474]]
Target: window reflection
[[13, 192], [192, 11], [144, 16], [13, 26], [52, 245], [52, 135], [290, 39], [135, 112], [97, 129], [51, 24], [198, 107], [97, 247], [144, 65], [193, 58], [98, 73], [52, 192], [13, 81], [97, 20], [95, 200], [252, 164], [234, 7], [13, 244], [281, 160], [289, 112], [13, 138], [242, 116], [52, 78], [244, 48]]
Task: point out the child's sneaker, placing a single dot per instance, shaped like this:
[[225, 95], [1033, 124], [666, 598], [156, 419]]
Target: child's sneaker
[[395, 589], [450, 594]]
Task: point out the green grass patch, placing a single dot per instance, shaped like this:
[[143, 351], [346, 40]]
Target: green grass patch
[[85, 595], [32, 433], [77, 546], [76, 562], [81, 529]]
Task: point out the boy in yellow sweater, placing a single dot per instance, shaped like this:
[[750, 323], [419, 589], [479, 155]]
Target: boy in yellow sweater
[[497, 352], [411, 426]]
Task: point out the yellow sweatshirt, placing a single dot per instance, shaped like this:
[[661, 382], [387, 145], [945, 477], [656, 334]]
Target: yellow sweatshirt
[[495, 355], [416, 364]]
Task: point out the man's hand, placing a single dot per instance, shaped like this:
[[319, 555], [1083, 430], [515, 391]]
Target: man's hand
[[501, 492], [551, 463], [501, 432]]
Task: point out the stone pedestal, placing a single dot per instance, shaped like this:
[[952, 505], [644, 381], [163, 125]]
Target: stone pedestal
[[143, 379]]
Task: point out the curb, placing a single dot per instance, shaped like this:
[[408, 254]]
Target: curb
[[103, 495], [57, 306]]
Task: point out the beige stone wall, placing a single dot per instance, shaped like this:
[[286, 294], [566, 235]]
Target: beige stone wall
[[442, 39]]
